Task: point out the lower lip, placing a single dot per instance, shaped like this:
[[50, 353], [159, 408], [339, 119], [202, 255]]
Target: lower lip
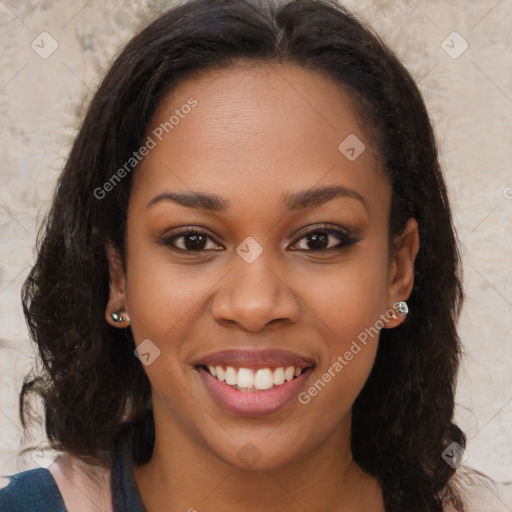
[[256, 403]]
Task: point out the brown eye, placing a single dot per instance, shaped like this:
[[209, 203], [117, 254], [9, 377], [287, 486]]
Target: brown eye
[[318, 239], [194, 242], [190, 241]]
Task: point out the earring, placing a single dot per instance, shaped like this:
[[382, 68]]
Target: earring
[[116, 316], [402, 308]]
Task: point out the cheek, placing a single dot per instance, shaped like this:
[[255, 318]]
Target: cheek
[[348, 297], [348, 307], [163, 304], [349, 318], [161, 296]]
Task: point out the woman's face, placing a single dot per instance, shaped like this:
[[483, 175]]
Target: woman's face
[[288, 265]]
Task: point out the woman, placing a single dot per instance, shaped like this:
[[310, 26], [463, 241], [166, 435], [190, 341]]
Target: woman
[[247, 291]]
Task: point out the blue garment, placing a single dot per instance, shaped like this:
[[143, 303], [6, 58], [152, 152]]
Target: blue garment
[[35, 490]]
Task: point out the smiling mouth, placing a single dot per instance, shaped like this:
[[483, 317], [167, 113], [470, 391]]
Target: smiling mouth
[[250, 380]]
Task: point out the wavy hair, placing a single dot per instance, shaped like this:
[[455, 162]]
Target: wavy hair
[[95, 391]]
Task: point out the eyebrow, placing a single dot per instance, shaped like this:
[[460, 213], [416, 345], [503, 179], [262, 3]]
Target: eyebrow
[[294, 201]]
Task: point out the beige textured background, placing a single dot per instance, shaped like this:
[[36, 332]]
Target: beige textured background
[[469, 97]]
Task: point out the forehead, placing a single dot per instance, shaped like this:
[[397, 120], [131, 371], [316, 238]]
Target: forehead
[[258, 130], [269, 100]]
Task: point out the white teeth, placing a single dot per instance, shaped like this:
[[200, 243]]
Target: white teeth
[[245, 378], [220, 373], [249, 379], [264, 379], [278, 376], [289, 373], [231, 376]]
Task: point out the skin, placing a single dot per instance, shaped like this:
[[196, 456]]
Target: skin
[[83, 487], [259, 131]]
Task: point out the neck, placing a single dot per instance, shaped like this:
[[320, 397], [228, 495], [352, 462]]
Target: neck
[[184, 475]]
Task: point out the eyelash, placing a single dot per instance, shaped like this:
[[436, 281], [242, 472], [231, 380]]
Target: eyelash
[[346, 239]]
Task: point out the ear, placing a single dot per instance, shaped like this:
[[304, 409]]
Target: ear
[[117, 298], [401, 268]]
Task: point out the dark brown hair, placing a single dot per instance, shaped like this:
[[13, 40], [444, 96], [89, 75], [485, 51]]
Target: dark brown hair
[[94, 389]]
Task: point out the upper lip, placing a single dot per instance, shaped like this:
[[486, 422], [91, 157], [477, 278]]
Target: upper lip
[[265, 358]]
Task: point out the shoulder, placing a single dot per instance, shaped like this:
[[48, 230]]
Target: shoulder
[[84, 487], [30, 491], [68, 485]]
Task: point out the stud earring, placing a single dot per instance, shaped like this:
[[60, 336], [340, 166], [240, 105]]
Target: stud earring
[[401, 307], [116, 316]]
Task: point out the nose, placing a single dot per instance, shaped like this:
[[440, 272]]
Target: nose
[[254, 294]]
